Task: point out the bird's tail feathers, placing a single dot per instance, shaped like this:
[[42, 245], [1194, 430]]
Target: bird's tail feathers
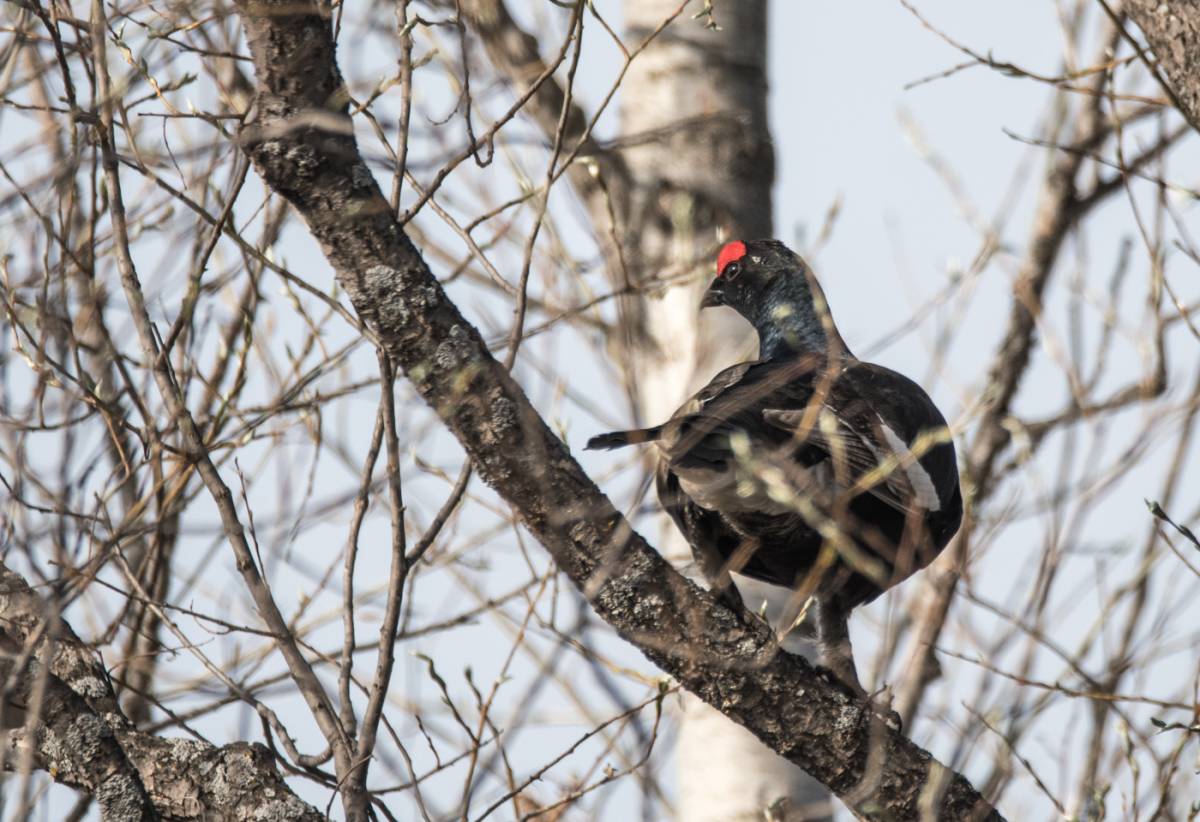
[[619, 439]]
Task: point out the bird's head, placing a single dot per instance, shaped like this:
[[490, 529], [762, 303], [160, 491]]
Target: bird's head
[[750, 275], [772, 287]]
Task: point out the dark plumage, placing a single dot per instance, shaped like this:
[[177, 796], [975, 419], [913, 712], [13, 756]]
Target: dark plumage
[[806, 468]]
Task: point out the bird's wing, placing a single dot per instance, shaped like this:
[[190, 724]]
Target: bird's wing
[[863, 425], [699, 435], [858, 453], [879, 430]]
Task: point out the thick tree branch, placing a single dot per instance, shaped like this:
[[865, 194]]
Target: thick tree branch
[[70, 725], [1173, 31], [303, 146]]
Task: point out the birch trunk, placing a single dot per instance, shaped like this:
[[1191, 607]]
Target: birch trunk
[[706, 178]]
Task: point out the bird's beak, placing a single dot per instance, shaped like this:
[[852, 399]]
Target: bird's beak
[[714, 296]]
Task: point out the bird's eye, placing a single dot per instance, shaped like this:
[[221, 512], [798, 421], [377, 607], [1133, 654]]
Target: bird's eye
[[732, 270]]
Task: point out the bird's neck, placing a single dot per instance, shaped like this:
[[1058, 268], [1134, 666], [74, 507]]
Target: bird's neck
[[796, 320]]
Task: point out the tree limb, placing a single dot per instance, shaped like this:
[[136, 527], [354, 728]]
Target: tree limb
[[70, 725], [303, 146], [1173, 31]]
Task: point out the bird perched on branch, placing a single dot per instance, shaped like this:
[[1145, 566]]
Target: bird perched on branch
[[806, 468]]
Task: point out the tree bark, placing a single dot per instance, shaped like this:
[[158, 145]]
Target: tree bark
[[303, 146], [60, 715], [1172, 29]]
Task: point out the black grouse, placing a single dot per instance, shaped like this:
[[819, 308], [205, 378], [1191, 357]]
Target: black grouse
[[806, 468]]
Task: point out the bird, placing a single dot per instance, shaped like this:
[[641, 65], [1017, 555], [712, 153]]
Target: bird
[[805, 468]]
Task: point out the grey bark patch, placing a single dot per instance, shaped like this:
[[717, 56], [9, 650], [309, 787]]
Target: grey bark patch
[[361, 176], [455, 351], [90, 687], [427, 296], [120, 798], [504, 413], [303, 159], [81, 741], [391, 311]]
